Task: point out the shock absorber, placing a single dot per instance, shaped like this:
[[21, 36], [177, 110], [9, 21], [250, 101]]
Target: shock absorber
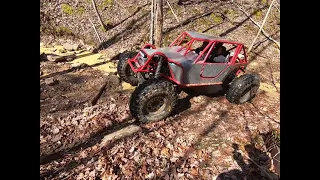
[[157, 74]]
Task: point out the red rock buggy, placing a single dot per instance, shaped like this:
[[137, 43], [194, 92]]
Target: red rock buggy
[[194, 63]]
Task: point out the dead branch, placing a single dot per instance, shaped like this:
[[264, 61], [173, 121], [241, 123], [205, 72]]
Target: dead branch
[[173, 11], [264, 21], [254, 22], [99, 17], [276, 3], [97, 96], [95, 30]]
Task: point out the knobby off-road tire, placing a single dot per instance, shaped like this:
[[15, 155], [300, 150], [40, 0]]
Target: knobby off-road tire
[[124, 70], [242, 89], [153, 100], [228, 81]]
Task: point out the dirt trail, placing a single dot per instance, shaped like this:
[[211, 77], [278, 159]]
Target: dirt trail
[[200, 141]]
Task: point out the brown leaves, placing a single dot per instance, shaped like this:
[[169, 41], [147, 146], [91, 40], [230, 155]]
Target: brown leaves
[[194, 171], [144, 168], [183, 147], [165, 152]]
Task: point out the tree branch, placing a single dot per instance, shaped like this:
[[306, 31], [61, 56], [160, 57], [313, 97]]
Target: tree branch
[[243, 154], [254, 22], [95, 31], [173, 11], [99, 17]]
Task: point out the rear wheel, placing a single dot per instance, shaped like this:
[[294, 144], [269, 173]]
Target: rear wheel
[[153, 100], [243, 88], [124, 70]]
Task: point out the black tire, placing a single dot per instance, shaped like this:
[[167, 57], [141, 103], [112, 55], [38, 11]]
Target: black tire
[[243, 88], [143, 102], [227, 82], [124, 70]]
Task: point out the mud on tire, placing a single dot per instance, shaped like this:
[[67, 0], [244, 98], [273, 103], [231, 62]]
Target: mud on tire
[[153, 100], [124, 69], [243, 88]]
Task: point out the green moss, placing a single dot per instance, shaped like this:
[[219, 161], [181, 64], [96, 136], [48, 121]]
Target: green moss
[[105, 3], [80, 10], [102, 29], [67, 9], [258, 14], [264, 1], [62, 51], [205, 22], [216, 19], [107, 22], [230, 13], [89, 1]]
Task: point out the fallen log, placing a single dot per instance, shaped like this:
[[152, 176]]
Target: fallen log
[[127, 131], [99, 93]]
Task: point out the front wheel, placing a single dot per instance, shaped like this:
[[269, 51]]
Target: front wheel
[[243, 88], [153, 100], [124, 70]]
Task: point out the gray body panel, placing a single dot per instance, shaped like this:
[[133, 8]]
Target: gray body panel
[[213, 70], [191, 74]]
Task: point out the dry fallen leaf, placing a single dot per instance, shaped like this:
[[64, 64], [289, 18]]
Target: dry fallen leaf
[[165, 151], [150, 176], [194, 171], [144, 168]]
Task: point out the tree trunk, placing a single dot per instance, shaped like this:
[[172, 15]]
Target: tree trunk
[[99, 17], [152, 21], [159, 22]]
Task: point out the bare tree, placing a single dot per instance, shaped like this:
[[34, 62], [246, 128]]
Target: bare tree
[[159, 22]]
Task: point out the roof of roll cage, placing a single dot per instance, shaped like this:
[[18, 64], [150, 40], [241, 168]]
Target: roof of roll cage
[[203, 36]]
